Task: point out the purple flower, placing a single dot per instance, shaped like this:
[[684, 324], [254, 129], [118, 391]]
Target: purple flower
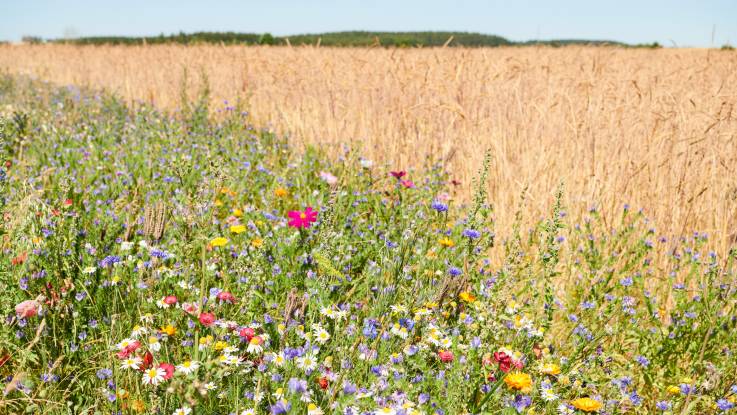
[[297, 385], [471, 233], [439, 206]]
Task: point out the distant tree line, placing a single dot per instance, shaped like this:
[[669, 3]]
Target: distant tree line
[[353, 38]]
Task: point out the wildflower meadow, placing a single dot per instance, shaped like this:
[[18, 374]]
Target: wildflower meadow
[[189, 262]]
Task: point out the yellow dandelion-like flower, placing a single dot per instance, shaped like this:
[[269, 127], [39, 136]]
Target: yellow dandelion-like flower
[[257, 242], [236, 229], [446, 242], [169, 330], [237, 213], [280, 192], [586, 404], [518, 381], [467, 297], [550, 369], [219, 242]]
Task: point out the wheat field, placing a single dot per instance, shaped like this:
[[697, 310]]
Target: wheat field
[[655, 129]]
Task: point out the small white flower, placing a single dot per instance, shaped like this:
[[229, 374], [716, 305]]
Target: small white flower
[[183, 411], [131, 363]]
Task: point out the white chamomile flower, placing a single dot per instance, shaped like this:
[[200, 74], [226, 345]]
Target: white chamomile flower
[[188, 366], [154, 376], [183, 411], [131, 363], [321, 335]]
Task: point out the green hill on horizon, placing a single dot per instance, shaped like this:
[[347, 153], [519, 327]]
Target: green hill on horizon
[[339, 39]]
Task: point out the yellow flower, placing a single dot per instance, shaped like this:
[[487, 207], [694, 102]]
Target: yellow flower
[[280, 192], [447, 242], [550, 369], [257, 242], [138, 406], [237, 213], [122, 393], [218, 203], [586, 404], [219, 241], [236, 229], [169, 330], [673, 390], [519, 381], [564, 380], [467, 297], [220, 345]]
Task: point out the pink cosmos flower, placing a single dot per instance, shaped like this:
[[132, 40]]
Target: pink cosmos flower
[[207, 319], [28, 308], [407, 184], [302, 219]]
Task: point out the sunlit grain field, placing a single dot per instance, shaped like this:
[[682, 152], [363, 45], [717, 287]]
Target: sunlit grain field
[[192, 262], [655, 129]]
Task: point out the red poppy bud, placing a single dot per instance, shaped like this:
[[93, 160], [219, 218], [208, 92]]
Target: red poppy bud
[[323, 382]]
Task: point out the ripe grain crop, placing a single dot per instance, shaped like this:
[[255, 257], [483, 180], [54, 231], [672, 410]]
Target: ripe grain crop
[[652, 128]]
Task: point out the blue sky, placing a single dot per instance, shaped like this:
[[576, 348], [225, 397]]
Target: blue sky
[[680, 22]]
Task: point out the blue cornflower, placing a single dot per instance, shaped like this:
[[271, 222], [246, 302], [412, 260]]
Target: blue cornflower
[[439, 206], [471, 233]]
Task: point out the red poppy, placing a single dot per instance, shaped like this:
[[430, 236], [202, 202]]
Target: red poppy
[[20, 259], [446, 356], [170, 300], [504, 360], [67, 202], [207, 319], [398, 174], [302, 219]]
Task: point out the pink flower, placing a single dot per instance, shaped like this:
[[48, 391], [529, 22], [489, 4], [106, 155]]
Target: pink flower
[[247, 333], [190, 308], [226, 296], [398, 174], [207, 319], [28, 308], [407, 184], [169, 369], [302, 219], [446, 356], [170, 299], [328, 178]]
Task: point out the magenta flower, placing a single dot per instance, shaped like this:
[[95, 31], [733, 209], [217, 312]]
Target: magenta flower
[[302, 219], [398, 174], [407, 184]]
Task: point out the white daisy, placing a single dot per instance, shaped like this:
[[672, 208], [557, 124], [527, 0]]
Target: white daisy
[[131, 363], [308, 362], [188, 366], [154, 376], [183, 411]]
